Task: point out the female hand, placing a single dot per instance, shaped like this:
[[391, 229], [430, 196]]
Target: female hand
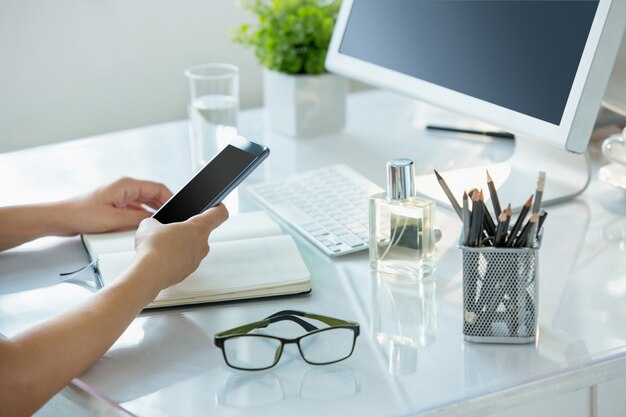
[[114, 207], [170, 252], [117, 206]]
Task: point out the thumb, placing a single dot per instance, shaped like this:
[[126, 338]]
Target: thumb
[[211, 218]]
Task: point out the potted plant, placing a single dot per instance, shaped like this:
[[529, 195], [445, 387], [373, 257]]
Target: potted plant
[[290, 40]]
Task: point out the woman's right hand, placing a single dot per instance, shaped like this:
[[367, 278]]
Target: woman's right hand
[[171, 252]]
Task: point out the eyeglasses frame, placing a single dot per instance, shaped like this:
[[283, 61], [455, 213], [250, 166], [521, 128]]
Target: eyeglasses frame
[[291, 315]]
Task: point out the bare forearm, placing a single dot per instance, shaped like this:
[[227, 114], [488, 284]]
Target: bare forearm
[[69, 344], [20, 224]]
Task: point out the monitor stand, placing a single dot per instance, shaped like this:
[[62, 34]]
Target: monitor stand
[[567, 175]]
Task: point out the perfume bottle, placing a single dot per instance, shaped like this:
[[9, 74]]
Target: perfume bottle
[[402, 227]]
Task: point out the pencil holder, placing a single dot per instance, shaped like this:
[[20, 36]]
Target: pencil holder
[[500, 294]]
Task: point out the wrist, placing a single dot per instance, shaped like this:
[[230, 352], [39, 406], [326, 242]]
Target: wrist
[[58, 218], [148, 268], [142, 280], [45, 219]]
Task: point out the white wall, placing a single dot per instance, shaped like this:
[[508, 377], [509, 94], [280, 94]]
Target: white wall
[[73, 68]]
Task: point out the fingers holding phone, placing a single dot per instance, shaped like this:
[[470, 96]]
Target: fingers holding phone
[[211, 218], [176, 238], [173, 251], [213, 182]]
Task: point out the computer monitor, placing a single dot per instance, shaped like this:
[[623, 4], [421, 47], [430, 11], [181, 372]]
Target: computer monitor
[[615, 95], [538, 69]]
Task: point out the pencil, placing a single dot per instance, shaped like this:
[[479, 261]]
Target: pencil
[[493, 134], [542, 218], [541, 182], [507, 222], [476, 225], [494, 195], [483, 210], [519, 222], [465, 217], [490, 226], [500, 228], [446, 190], [524, 237], [532, 234]]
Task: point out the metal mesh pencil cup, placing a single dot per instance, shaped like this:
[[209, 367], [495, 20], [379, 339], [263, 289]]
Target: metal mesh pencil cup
[[500, 294]]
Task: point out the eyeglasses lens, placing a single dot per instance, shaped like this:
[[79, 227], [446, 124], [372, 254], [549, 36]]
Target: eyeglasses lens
[[251, 352], [331, 345]]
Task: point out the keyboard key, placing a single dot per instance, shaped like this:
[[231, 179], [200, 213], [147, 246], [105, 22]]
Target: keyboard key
[[293, 212], [352, 240], [338, 231]]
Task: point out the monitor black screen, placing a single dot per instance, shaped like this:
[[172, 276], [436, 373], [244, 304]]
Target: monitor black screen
[[521, 55]]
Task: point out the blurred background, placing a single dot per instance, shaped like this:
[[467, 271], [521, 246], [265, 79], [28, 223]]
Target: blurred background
[[75, 68]]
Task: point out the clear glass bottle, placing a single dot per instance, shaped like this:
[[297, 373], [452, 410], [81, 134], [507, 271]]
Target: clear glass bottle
[[402, 227], [403, 318]]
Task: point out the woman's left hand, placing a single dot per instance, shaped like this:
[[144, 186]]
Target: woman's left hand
[[121, 205]]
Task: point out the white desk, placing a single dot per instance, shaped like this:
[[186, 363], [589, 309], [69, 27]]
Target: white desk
[[166, 364]]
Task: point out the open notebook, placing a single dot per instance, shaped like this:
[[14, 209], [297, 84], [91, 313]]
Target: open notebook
[[249, 258]]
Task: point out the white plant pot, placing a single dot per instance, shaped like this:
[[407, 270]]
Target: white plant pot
[[304, 105]]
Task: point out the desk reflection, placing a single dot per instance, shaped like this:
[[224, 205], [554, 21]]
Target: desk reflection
[[403, 319], [38, 264], [324, 383], [615, 232], [149, 356]]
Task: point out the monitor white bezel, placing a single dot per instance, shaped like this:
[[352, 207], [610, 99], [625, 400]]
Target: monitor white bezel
[[615, 95], [581, 100]]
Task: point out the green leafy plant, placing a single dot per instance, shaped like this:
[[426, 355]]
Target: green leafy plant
[[290, 35]]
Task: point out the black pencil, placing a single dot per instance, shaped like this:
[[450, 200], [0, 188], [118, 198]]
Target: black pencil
[[494, 134], [494, 195], [523, 239], [483, 234], [507, 222], [519, 222], [490, 226], [446, 190], [500, 228], [476, 224]]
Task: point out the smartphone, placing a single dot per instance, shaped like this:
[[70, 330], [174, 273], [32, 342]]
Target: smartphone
[[214, 182]]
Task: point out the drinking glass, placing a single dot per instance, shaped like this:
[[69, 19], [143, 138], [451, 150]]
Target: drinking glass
[[213, 108]]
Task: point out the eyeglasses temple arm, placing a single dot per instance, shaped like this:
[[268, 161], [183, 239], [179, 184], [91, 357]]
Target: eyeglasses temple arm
[[306, 326], [324, 319], [286, 315], [246, 328], [330, 321]]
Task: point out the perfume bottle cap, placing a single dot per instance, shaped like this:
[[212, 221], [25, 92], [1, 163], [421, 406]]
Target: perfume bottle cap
[[400, 179]]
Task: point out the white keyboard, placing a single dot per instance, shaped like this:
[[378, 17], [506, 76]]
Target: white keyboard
[[329, 206]]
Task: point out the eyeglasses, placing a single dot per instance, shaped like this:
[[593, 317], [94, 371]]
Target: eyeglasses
[[254, 352]]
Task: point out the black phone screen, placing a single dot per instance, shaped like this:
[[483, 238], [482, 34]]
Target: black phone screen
[[202, 190]]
